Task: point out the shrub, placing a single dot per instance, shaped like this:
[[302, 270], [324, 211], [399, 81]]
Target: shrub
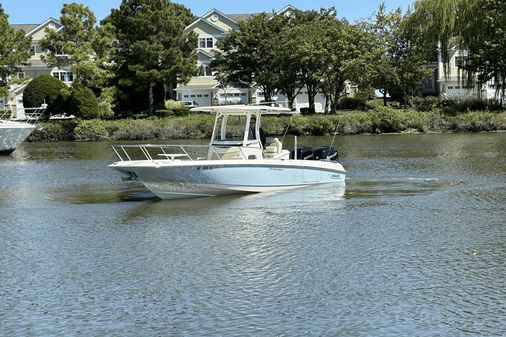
[[306, 111], [478, 121], [141, 129], [47, 89], [173, 105], [353, 122], [424, 104], [352, 103], [83, 103], [91, 130], [365, 95], [454, 106], [173, 108], [386, 119], [322, 125], [275, 125], [54, 132]]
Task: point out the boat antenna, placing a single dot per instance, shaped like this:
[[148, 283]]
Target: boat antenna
[[334, 138], [286, 130]]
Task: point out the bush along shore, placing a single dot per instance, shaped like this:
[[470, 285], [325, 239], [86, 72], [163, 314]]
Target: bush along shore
[[376, 120]]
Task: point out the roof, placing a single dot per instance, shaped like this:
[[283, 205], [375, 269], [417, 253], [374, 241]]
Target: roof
[[26, 27], [30, 28], [191, 25], [196, 87], [244, 109], [244, 17]]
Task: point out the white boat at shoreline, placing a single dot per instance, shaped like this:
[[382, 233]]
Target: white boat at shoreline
[[237, 160], [14, 132]]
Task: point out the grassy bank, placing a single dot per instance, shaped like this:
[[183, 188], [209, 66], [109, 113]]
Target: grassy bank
[[378, 120]]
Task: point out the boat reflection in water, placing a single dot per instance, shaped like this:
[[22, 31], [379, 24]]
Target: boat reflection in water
[[237, 160]]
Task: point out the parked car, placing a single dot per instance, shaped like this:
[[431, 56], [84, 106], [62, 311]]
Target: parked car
[[190, 104]]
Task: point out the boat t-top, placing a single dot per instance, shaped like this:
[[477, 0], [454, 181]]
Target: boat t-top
[[237, 160]]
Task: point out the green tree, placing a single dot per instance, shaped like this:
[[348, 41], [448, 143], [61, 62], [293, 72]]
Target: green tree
[[83, 103], [152, 47], [437, 21], [43, 89], [402, 59], [483, 35], [14, 51], [383, 28], [81, 46], [349, 57], [246, 54]]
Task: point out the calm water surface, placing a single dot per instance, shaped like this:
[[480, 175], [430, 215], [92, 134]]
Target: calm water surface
[[415, 244]]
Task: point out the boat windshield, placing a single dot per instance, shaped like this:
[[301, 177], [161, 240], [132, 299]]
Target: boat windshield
[[235, 130]]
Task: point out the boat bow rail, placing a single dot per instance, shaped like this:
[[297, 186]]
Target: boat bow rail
[[153, 152]]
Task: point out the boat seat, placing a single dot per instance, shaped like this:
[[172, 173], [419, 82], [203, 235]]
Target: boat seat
[[274, 148]]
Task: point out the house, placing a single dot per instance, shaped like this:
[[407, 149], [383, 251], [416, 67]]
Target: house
[[35, 66], [204, 89], [455, 82]]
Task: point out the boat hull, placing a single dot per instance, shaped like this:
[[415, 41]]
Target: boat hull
[[182, 179], [12, 134]]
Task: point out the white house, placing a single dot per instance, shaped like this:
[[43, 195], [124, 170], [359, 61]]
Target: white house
[[455, 83], [204, 89]]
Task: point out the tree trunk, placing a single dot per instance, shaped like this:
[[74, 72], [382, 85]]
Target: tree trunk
[[151, 100], [328, 103], [406, 100], [335, 100], [291, 100], [385, 98], [310, 98]]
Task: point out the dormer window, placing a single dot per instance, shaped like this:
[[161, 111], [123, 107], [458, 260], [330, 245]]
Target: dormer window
[[206, 42], [206, 71]]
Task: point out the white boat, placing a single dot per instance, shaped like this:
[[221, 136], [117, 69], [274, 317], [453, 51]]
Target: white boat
[[235, 161], [14, 132]]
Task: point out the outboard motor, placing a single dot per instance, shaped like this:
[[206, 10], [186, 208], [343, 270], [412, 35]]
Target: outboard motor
[[303, 152], [325, 152]]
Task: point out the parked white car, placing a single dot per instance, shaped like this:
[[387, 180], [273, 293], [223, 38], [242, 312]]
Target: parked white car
[[190, 104]]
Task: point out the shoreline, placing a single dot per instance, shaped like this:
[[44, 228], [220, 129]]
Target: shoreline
[[199, 126]]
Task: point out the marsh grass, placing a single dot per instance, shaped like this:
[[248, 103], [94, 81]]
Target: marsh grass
[[378, 120]]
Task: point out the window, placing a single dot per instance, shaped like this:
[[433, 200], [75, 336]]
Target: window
[[457, 87], [206, 95], [450, 87], [460, 61], [21, 74], [206, 42], [64, 76], [199, 95], [185, 96], [206, 71]]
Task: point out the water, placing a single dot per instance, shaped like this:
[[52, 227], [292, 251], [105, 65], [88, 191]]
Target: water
[[413, 245]]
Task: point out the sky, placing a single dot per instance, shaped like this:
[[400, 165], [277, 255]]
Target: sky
[[37, 11]]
